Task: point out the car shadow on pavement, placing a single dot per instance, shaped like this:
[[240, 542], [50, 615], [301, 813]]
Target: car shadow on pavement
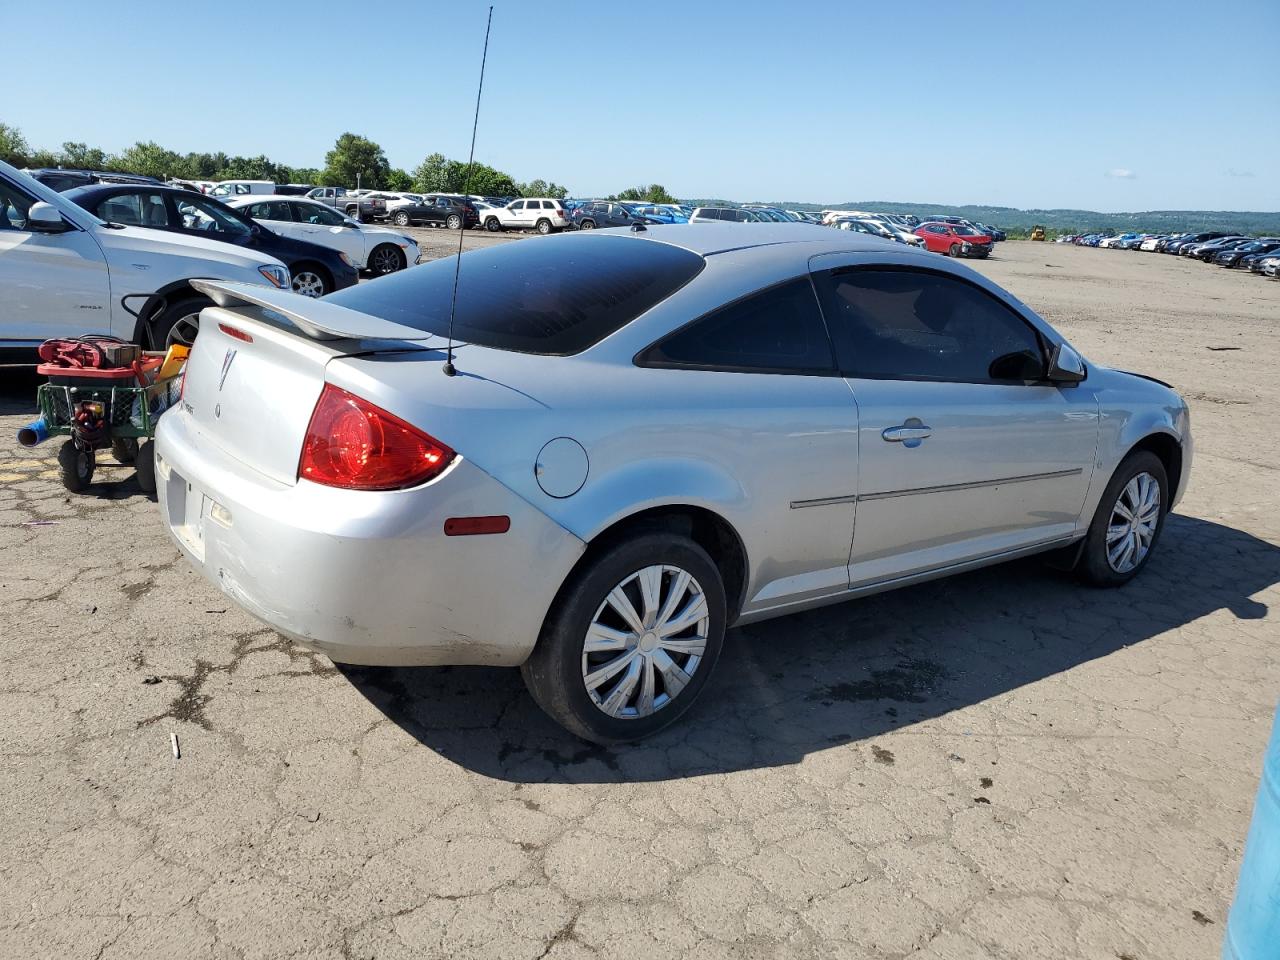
[[18, 391], [789, 687]]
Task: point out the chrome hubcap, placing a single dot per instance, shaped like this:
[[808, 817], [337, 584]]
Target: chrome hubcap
[[1133, 524], [308, 284], [645, 642]]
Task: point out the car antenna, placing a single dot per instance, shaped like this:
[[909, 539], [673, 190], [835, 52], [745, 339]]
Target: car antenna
[[449, 369]]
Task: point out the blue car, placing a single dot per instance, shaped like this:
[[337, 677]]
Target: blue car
[[652, 211]]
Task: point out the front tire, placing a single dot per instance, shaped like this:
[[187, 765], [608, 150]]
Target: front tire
[[75, 466], [146, 467], [385, 259], [1127, 523], [631, 640], [955, 250]]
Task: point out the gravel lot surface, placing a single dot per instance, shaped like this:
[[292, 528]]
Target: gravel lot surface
[[1003, 764]]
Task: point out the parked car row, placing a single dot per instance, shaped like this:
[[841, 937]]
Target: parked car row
[[1232, 250]]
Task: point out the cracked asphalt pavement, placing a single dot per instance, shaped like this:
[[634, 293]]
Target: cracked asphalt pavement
[[1003, 764]]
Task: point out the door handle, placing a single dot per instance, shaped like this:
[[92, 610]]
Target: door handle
[[909, 434]]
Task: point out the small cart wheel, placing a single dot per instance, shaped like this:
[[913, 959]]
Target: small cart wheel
[[76, 467], [124, 449], [146, 466]]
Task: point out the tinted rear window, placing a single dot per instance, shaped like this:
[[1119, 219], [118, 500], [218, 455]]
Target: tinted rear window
[[549, 296]]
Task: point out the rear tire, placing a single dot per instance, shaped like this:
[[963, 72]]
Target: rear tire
[[75, 466], [146, 467], [453, 222], [493, 225], [587, 225], [1110, 533], [179, 322], [400, 218], [655, 679], [543, 227], [310, 280]]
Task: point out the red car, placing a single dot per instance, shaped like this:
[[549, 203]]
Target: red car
[[954, 239]]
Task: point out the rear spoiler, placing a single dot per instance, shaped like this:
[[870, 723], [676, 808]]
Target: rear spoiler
[[315, 318]]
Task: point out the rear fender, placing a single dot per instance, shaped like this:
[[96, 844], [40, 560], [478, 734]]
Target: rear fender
[[641, 486]]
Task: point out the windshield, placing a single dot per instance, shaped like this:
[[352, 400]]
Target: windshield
[[553, 298], [964, 231]]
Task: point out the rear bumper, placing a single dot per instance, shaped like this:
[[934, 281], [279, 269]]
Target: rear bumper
[[365, 577]]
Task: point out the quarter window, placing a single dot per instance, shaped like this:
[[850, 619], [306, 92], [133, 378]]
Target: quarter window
[[778, 330], [913, 325]]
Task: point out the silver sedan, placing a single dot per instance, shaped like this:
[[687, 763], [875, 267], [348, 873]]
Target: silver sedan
[[645, 436]]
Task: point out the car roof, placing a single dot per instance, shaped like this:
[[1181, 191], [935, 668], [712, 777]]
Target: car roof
[[707, 239], [91, 190], [259, 197]]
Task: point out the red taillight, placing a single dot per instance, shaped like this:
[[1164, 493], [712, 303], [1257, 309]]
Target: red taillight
[[231, 331], [353, 444]]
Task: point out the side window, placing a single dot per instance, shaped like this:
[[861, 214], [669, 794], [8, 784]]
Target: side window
[[913, 325], [270, 210], [778, 330], [123, 208], [518, 205], [314, 213], [13, 208]]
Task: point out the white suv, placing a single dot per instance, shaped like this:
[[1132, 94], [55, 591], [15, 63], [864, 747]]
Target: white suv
[[64, 272], [540, 213]]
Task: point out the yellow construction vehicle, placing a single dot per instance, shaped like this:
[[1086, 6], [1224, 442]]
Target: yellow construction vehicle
[[1037, 232]]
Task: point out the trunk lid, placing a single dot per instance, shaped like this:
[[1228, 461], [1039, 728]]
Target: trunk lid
[[257, 369]]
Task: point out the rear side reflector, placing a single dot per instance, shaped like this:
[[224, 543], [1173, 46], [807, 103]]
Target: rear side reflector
[[231, 331], [353, 444], [475, 526]]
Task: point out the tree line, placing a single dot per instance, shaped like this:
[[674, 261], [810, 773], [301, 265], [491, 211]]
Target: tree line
[[354, 160]]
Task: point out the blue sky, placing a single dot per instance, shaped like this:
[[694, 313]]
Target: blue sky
[[1028, 104]]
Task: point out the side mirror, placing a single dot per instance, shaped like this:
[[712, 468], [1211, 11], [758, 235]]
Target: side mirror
[[351, 223], [45, 218], [1065, 365]]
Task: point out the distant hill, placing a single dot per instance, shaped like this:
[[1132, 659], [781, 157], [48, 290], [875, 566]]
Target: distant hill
[[1073, 221]]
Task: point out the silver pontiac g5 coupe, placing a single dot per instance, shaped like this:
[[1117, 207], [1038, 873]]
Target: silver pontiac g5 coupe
[[651, 434]]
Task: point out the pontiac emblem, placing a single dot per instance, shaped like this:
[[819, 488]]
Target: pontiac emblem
[[226, 366]]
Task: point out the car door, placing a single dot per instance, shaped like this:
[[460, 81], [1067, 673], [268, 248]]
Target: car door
[[51, 284], [278, 216], [783, 421], [966, 451], [519, 216], [329, 228]]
